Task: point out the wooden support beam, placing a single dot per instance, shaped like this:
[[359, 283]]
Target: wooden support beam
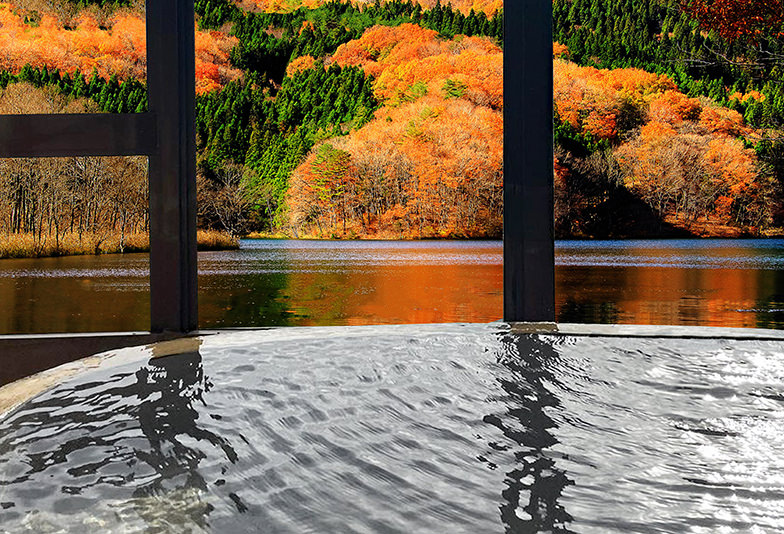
[[172, 99], [529, 250], [90, 134]]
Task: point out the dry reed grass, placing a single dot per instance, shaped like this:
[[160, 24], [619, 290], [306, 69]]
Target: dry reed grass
[[214, 240], [31, 246]]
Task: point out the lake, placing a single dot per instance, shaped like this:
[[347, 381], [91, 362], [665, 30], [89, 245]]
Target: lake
[[284, 282]]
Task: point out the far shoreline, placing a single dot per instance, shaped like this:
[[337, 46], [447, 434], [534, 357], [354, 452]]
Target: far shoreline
[[25, 247], [777, 233]]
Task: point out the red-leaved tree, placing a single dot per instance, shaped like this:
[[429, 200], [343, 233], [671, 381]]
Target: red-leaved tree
[[739, 19]]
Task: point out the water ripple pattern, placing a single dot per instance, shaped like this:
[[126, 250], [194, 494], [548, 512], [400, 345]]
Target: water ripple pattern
[[401, 429], [266, 256], [766, 254]]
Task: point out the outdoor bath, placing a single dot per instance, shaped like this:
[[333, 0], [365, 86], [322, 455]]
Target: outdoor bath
[[433, 428], [427, 428]]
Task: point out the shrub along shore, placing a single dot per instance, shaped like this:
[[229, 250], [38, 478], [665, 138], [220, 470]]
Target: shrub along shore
[[72, 244]]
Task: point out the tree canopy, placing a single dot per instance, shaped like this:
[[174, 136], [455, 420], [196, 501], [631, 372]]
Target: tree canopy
[[739, 19]]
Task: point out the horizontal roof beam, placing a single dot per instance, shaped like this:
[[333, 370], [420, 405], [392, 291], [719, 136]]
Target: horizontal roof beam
[[77, 134]]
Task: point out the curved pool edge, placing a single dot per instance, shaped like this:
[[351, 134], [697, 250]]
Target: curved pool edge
[[16, 393], [663, 331]]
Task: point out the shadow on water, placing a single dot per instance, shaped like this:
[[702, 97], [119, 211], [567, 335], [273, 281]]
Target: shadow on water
[[168, 389], [769, 309], [576, 310], [139, 440], [533, 488]]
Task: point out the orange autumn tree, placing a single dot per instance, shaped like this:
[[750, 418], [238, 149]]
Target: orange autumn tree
[[302, 63], [603, 102], [692, 170], [723, 121], [741, 192], [684, 157], [117, 49], [673, 107], [744, 98], [430, 162], [408, 61]]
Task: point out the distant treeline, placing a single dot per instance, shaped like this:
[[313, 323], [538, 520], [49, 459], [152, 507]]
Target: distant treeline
[[335, 20], [113, 95]]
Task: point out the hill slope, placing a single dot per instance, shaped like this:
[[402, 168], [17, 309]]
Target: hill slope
[[384, 119]]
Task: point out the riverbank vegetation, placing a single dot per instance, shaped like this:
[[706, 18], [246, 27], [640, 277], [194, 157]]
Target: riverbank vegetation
[[40, 245], [384, 119]]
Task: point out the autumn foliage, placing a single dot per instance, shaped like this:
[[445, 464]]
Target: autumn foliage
[[300, 64], [684, 157], [117, 49], [430, 162], [408, 61], [600, 101], [736, 19], [284, 6]]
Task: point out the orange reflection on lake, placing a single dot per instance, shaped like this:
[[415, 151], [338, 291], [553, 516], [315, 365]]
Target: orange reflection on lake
[[463, 294], [658, 295], [397, 285], [682, 282], [302, 283]]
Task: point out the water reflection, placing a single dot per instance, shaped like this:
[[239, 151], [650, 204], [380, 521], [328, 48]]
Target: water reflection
[[167, 390], [132, 438], [534, 487], [75, 294], [309, 283]]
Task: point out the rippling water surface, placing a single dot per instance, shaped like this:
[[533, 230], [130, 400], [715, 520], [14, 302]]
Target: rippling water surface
[[426, 429], [327, 283]]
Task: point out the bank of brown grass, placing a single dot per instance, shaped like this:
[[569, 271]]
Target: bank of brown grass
[[214, 240], [73, 244]]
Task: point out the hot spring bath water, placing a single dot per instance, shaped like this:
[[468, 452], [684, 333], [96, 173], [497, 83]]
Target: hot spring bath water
[[403, 429]]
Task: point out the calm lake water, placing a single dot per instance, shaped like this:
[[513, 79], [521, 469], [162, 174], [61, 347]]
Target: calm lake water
[[279, 282]]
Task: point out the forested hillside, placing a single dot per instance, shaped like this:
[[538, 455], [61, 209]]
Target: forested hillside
[[430, 162], [384, 119], [672, 152]]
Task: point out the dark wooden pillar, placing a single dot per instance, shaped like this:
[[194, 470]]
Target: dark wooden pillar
[[529, 250], [166, 134], [171, 93]]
